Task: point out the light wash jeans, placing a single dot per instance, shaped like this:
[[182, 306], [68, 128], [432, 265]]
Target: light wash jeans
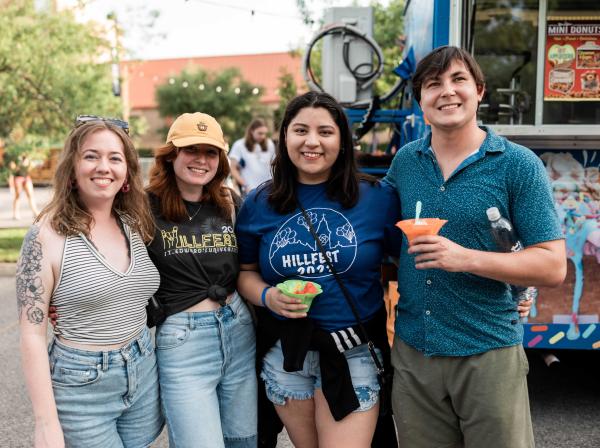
[[206, 364], [107, 399], [300, 385]]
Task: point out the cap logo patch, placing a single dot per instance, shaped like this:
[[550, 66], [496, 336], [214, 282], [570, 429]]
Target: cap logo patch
[[202, 127]]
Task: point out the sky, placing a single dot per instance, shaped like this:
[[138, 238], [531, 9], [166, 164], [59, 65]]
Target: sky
[[209, 27]]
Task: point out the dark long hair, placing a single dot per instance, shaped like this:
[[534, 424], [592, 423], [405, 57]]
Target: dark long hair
[[343, 182]]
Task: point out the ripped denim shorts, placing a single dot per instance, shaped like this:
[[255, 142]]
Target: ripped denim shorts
[[301, 385]]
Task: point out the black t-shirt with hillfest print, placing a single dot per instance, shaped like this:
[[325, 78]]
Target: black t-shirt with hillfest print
[[193, 255]]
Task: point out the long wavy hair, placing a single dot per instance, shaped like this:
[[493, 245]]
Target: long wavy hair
[[249, 138], [67, 213], [163, 184], [343, 182]]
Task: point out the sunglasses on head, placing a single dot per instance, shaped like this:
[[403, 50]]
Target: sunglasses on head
[[82, 119]]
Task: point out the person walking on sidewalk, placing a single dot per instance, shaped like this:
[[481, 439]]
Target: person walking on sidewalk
[[460, 369], [19, 182]]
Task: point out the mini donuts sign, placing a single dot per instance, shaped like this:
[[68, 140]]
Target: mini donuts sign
[[572, 67]]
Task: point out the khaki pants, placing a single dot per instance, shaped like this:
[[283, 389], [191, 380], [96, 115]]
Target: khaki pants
[[478, 401]]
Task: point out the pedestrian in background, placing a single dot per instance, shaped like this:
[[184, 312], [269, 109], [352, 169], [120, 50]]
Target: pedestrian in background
[[251, 157], [19, 182]]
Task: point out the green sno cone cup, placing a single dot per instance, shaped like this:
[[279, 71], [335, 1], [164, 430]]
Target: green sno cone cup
[[300, 289]]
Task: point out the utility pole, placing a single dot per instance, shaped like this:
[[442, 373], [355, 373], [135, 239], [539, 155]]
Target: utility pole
[[117, 81]]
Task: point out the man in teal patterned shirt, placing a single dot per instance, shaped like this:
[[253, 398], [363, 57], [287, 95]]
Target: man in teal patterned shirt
[[460, 369]]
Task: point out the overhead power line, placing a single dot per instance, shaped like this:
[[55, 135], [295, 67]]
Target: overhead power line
[[252, 11]]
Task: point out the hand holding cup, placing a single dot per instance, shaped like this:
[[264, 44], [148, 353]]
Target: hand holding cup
[[293, 298]]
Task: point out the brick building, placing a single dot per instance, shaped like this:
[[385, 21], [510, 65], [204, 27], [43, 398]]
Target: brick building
[[141, 78]]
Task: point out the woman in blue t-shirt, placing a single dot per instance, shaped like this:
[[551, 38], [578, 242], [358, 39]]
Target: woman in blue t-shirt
[[324, 396]]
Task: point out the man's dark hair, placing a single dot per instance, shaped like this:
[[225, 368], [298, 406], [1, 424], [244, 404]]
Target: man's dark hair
[[343, 182], [438, 61]]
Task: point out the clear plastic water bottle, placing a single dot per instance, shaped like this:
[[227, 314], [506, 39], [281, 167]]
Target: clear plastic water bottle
[[506, 239]]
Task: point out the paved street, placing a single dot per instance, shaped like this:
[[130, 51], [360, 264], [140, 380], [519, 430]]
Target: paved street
[[565, 402], [42, 195]]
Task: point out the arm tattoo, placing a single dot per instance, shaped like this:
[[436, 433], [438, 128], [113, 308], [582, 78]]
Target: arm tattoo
[[29, 281]]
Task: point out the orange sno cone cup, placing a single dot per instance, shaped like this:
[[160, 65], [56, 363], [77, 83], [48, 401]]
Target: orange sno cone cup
[[430, 226]]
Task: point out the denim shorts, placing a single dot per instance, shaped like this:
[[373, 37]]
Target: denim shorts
[[107, 398], [207, 371], [301, 385]]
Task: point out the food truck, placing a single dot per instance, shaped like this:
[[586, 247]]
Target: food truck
[[541, 59]]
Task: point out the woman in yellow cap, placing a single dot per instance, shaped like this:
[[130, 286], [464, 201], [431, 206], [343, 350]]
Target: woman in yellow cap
[[206, 341]]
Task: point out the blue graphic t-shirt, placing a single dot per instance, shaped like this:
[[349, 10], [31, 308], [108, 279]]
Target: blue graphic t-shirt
[[354, 239]]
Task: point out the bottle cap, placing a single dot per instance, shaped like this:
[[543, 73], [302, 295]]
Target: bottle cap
[[493, 213]]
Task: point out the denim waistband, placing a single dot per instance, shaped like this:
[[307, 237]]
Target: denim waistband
[[139, 346], [232, 309]]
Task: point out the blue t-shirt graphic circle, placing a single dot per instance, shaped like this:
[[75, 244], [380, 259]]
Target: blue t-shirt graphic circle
[[295, 253]]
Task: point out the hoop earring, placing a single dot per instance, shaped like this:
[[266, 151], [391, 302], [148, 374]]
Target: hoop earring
[[125, 188]]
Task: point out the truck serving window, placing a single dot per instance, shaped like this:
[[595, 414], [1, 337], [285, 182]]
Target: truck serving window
[[503, 38], [561, 85], [572, 62]]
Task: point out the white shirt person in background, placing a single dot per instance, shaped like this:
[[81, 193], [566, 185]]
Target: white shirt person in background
[[251, 157]]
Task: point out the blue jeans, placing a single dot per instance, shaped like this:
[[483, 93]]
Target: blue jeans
[[281, 385], [107, 399], [206, 362]]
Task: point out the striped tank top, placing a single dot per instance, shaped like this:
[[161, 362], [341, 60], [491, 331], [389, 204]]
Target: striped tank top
[[98, 304]]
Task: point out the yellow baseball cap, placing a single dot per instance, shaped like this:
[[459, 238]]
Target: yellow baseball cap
[[194, 129]]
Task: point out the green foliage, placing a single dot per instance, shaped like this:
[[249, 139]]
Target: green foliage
[[145, 152], [49, 72], [10, 244], [35, 146], [138, 126], [388, 30], [305, 12], [287, 91], [225, 95]]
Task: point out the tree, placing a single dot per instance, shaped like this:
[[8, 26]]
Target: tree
[[287, 91], [50, 72], [388, 33], [225, 95]]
